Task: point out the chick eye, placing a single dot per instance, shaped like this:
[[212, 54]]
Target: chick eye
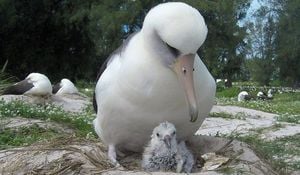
[[157, 134], [193, 69], [174, 133]]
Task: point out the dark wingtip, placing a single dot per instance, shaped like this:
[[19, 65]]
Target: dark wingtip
[[55, 88], [18, 88], [95, 103]]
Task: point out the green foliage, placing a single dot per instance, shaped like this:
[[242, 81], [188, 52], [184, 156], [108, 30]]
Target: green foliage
[[261, 70], [240, 116], [71, 39], [74, 37], [86, 88], [40, 36], [228, 92], [289, 118], [5, 81], [65, 38], [275, 152], [81, 122], [224, 49], [262, 35], [24, 136], [288, 48], [286, 103]]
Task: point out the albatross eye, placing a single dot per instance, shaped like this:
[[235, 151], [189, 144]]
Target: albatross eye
[[157, 134], [174, 133], [173, 50], [184, 70]]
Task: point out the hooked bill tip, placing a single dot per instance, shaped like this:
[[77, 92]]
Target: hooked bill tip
[[193, 114]]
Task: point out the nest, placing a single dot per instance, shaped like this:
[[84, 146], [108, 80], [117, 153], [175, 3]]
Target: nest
[[82, 156]]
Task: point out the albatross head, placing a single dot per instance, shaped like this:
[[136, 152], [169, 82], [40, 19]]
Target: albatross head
[[41, 83], [66, 82], [175, 31], [36, 78]]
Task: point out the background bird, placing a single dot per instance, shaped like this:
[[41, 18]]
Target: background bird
[[65, 86], [244, 95], [261, 95], [34, 84], [155, 76], [164, 154], [270, 94]]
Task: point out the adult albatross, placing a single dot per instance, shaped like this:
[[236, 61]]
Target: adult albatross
[[155, 76], [34, 84], [65, 86]]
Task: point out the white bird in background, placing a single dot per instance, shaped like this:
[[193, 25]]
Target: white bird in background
[[164, 154], [243, 96], [65, 86], [270, 93], [261, 95], [155, 76], [34, 84]]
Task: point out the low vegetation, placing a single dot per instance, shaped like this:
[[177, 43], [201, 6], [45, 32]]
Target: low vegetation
[[283, 104], [284, 153], [279, 153], [81, 122], [25, 136], [240, 116], [5, 81], [86, 88]]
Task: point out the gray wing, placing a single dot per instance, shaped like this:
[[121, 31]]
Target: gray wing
[[118, 51], [18, 88]]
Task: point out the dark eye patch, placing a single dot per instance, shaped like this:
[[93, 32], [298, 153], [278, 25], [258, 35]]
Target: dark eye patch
[[173, 50]]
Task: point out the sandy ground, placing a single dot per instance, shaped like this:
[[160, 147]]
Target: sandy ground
[[249, 121]]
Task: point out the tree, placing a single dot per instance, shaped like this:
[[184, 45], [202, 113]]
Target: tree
[[224, 49], [45, 36], [261, 38], [63, 38], [288, 39]]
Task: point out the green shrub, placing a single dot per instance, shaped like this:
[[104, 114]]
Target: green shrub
[[228, 92], [5, 81]]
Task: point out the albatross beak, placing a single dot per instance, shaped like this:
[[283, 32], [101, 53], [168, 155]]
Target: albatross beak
[[184, 69]]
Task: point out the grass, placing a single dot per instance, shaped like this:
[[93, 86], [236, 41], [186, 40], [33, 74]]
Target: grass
[[289, 118], [5, 81], [86, 88], [240, 115], [25, 136], [227, 92], [286, 103], [81, 122], [275, 152]]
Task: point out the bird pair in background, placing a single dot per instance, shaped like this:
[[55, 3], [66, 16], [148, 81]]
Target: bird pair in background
[[39, 85], [245, 96], [164, 153]]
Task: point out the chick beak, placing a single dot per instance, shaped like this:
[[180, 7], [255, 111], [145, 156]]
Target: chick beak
[[184, 67], [167, 140]]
